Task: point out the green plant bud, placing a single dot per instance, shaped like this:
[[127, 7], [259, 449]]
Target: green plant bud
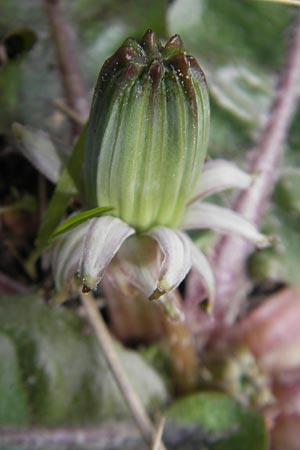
[[147, 134]]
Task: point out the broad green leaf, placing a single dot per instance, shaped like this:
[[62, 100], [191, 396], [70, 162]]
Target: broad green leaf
[[13, 400], [74, 221], [60, 369], [69, 183], [237, 23], [226, 424]]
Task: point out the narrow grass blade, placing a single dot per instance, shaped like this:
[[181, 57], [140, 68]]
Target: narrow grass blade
[[78, 219]]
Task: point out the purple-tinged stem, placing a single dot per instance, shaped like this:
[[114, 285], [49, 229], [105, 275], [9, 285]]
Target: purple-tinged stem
[[231, 253]]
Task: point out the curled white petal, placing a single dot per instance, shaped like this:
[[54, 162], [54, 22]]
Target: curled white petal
[[176, 261], [219, 175], [65, 255], [139, 261], [203, 215], [201, 265], [104, 237]]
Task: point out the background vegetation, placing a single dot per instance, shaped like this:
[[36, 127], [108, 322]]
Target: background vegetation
[[51, 371]]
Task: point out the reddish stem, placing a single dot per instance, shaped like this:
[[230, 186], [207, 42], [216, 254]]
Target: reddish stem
[[231, 253]]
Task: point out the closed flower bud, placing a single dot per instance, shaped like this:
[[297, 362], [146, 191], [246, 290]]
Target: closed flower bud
[[147, 133], [146, 141]]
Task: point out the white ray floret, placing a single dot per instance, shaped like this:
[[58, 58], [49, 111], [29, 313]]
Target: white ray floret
[[139, 260], [104, 237], [66, 255], [218, 176], [202, 215], [176, 263]]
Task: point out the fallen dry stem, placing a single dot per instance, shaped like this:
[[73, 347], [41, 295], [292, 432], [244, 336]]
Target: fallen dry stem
[[158, 435]]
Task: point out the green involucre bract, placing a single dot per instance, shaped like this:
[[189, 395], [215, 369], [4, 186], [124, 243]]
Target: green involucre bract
[[147, 134]]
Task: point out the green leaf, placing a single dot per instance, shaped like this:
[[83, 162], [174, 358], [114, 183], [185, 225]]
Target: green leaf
[[227, 424], [60, 369], [74, 221], [201, 23], [13, 401], [70, 183]]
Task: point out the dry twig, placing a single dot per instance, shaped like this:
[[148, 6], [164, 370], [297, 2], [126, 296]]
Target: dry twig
[[64, 42], [158, 435], [132, 400]]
